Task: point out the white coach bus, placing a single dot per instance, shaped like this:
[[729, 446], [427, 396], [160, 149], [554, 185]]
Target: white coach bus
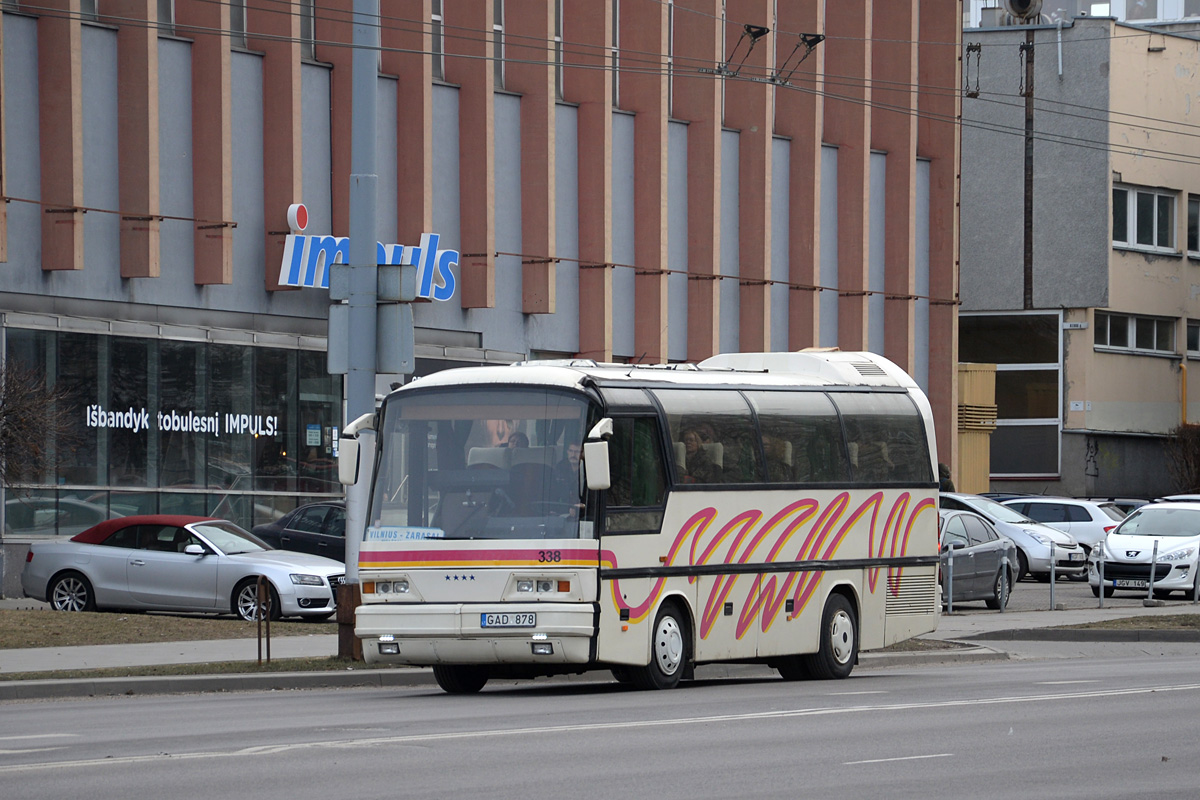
[[770, 508]]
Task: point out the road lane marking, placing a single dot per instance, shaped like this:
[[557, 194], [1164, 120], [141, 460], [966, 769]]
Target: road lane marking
[[39, 736], [898, 758], [29, 750], [851, 694], [591, 727], [1062, 683]]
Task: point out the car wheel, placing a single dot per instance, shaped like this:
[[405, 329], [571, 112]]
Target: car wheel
[[459, 679], [245, 601], [669, 651], [1022, 565], [1000, 592], [839, 641], [71, 591]]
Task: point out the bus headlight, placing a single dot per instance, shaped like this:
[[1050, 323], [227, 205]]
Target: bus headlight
[[524, 586]]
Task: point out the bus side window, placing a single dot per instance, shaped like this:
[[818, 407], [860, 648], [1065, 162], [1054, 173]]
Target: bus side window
[[638, 475]]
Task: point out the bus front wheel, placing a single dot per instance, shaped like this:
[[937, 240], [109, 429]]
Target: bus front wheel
[[839, 641], [668, 651], [458, 679]]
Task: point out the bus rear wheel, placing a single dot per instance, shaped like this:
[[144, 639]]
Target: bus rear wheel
[[839, 641], [669, 651], [459, 679]]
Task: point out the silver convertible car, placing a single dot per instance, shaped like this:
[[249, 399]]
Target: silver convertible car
[[178, 563]]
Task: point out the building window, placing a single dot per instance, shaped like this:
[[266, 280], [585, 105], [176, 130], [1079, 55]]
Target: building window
[[1193, 230], [1026, 350], [558, 49], [1134, 333], [616, 53], [437, 29], [1193, 338], [1141, 9], [1143, 218], [670, 57], [308, 41], [237, 23], [87, 10], [498, 36], [166, 16]]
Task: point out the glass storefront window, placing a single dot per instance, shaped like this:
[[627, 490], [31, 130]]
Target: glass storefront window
[[177, 427]]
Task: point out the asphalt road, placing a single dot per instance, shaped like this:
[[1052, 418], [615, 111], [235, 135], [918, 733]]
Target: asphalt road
[[1082, 727]]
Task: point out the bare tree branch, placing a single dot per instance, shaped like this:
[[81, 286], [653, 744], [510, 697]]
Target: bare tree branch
[[36, 425]]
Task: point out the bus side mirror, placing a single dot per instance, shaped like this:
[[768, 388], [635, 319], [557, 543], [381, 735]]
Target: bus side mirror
[[348, 449], [348, 462], [595, 456]]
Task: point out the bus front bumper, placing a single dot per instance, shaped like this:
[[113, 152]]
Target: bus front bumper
[[422, 634]]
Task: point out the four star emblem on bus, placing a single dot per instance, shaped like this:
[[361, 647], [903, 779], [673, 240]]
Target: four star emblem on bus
[[460, 577]]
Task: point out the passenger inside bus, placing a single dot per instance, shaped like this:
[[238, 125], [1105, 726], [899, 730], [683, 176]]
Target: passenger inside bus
[[699, 463]]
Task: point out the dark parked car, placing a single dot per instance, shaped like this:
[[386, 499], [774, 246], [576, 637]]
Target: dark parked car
[[979, 552], [317, 528]]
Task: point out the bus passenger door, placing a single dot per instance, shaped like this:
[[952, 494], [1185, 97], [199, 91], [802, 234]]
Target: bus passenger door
[[634, 541]]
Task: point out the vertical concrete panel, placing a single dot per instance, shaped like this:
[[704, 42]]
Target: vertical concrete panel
[[3, 183], [212, 140], [829, 275], [586, 82], [644, 30], [176, 161], [23, 152], [317, 188], [938, 140], [446, 206], [625, 231], [101, 162], [246, 157], [921, 213], [332, 29], [730, 242], [277, 36], [848, 125], [404, 54], [894, 132], [138, 143], [697, 99], [677, 236], [508, 212], [780, 235], [469, 64], [559, 332], [749, 107], [60, 118], [877, 227], [386, 156], [529, 70], [800, 113]]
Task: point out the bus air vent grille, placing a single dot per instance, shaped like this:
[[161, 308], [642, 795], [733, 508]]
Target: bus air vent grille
[[912, 594], [868, 369]]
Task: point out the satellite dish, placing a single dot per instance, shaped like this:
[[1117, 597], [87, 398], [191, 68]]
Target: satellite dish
[[1024, 9]]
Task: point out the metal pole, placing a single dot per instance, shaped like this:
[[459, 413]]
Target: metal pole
[[1153, 567], [360, 378], [950, 580], [1053, 576], [1004, 585], [1027, 48], [1100, 568]]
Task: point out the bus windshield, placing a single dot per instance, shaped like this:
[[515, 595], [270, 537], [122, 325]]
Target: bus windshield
[[482, 463]]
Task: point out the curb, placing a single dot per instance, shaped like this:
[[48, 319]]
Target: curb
[[1085, 635], [410, 677]]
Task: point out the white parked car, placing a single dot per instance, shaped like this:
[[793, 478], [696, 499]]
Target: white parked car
[[177, 563], [1129, 551], [1033, 539], [1088, 521]]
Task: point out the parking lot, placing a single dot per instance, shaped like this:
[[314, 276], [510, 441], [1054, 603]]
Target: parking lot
[[1032, 595]]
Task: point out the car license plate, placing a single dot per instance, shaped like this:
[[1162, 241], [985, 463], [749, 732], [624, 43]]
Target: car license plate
[[521, 619], [1076, 557], [1131, 584]]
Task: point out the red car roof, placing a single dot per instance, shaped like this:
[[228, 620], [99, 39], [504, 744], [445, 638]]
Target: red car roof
[[101, 531]]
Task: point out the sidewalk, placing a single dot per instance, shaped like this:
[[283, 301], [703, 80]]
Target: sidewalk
[[972, 627]]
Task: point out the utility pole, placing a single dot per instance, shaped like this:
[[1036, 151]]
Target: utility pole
[[360, 289], [1027, 52]]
